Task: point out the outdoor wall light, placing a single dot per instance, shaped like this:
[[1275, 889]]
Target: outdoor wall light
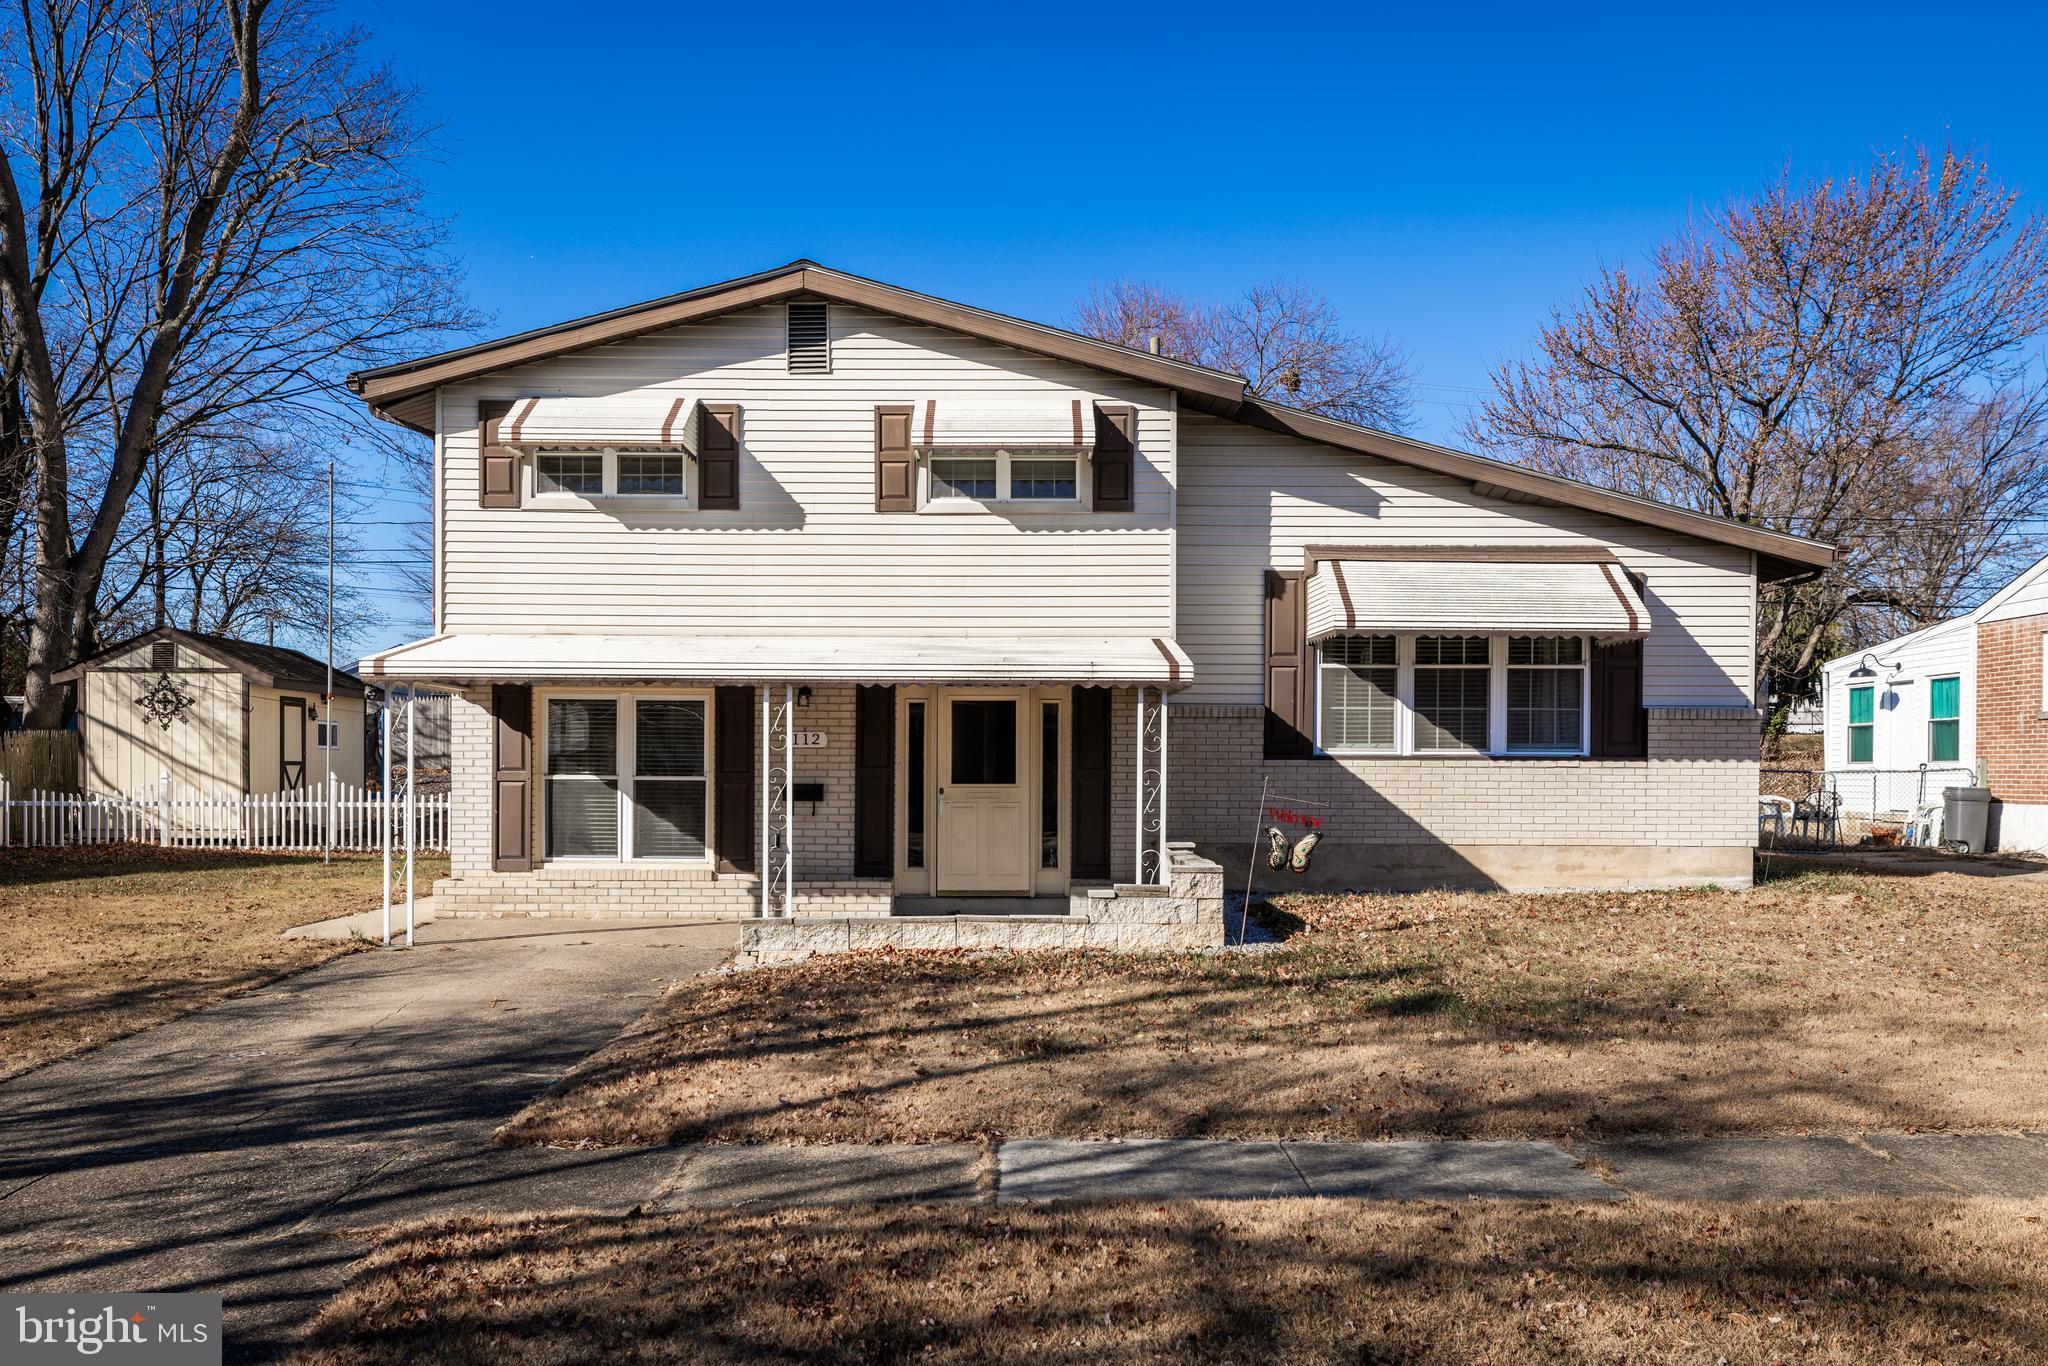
[[803, 697], [1865, 667]]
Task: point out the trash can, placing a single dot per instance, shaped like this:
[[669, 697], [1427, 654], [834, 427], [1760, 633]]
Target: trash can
[[1965, 817]]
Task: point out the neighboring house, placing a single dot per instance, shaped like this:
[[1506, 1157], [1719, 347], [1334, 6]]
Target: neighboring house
[[16, 709], [1964, 697], [221, 717], [1023, 608]]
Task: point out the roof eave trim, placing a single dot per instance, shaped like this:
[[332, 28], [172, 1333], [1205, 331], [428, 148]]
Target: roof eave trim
[[391, 383], [1794, 550]]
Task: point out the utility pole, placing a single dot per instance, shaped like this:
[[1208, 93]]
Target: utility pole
[[327, 702]]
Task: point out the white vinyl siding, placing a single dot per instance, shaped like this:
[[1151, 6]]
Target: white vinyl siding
[[1252, 500], [1902, 697], [805, 553]]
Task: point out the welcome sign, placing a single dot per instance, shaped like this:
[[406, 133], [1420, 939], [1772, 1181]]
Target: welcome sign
[[159, 1330]]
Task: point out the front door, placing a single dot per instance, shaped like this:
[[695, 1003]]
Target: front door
[[291, 743], [984, 843]]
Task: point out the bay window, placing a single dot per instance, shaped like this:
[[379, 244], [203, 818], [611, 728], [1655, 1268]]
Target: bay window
[[626, 776], [1453, 694]]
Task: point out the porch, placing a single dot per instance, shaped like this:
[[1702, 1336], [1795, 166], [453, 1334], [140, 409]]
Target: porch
[[937, 783]]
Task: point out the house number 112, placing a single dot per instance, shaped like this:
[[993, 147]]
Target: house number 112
[[808, 739]]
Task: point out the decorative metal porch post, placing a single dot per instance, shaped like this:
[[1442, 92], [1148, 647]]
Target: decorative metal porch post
[[1151, 792], [778, 813]]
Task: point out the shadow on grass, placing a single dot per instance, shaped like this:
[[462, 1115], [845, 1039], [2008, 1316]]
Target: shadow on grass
[[1307, 1281]]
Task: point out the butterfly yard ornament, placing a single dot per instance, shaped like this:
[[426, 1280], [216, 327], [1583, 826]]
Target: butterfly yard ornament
[[164, 701], [1291, 855]]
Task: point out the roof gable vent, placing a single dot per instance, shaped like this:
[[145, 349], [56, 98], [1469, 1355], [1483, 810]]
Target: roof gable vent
[[163, 656], [810, 344]]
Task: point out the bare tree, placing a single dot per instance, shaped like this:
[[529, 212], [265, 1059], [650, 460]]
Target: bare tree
[[1844, 360], [206, 214], [1286, 339]]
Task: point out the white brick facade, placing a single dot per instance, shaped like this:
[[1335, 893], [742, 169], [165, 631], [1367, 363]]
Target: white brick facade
[[1685, 815]]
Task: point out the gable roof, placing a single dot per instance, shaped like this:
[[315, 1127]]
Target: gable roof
[[404, 393], [1937, 629], [269, 666]]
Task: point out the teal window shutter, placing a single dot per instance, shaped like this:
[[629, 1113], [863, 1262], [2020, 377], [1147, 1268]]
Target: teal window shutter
[[1862, 714]]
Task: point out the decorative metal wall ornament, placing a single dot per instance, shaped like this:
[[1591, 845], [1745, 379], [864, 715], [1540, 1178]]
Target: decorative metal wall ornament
[[778, 858], [164, 701]]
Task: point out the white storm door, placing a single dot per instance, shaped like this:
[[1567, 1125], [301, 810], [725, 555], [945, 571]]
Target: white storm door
[[984, 832]]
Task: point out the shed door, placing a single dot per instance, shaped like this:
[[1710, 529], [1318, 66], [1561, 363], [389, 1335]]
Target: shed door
[[291, 743]]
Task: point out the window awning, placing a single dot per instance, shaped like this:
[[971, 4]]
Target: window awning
[[644, 421], [1476, 597], [1022, 423], [1109, 661]]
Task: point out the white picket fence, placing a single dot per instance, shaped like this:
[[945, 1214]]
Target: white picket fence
[[287, 821]]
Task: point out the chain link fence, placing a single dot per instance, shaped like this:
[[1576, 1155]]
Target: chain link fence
[[1848, 806]]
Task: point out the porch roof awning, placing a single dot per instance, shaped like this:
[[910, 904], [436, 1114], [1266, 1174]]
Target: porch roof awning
[[647, 421], [1028, 423], [1112, 661], [1447, 596]]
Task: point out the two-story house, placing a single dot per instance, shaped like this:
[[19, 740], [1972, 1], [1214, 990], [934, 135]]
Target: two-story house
[[893, 599]]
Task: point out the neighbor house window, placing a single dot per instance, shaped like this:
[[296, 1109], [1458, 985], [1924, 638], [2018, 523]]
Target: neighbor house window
[[1862, 723], [582, 475], [955, 477], [651, 474], [626, 777], [1546, 694], [1358, 676], [1944, 719], [1453, 676]]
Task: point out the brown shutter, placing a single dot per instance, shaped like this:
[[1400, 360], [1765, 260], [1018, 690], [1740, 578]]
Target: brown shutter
[[497, 473], [1116, 449], [718, 456], [1091, 766], [874, 782], [1289, 726], [735, 765], [895, 466], [1621, 728], [512, 777]]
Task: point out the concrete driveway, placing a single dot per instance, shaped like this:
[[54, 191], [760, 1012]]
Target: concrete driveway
[[232, 1150]]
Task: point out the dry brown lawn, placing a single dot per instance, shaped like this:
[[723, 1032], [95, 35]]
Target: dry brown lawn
[[1297, 1281], [103, 941], [1823, 1002]]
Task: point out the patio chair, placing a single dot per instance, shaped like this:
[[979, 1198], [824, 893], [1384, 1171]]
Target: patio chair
[[1817, 815]]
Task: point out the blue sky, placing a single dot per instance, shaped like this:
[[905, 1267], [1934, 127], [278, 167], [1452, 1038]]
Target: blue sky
[[1445, 177]]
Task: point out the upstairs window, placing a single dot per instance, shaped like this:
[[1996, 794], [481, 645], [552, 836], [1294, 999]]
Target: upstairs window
[[1044, 478], [641, 475], [579, 474], [960, 477]]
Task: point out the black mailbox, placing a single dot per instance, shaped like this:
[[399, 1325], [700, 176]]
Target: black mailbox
[[807, 792]]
